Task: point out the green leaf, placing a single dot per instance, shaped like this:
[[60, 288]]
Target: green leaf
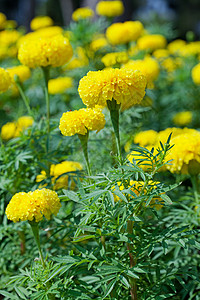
[[8, 295], [166, 199], [131, 274], [83, 238], [71, 195], [110, 287]]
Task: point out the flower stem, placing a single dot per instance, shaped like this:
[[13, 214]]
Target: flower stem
[[35, 230], [133, 262], [114, 116], [84, 143], [24, 98], [45, 71]]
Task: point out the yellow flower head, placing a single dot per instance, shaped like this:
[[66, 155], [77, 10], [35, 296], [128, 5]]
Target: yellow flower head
[[80, 60], [196, 74], [43, 52], [79, 121], [5, 80], [148, 67], [145, 138], [41, 22], [110, 8], [127, 87], [136, 187], [160, 54], [185, 154], [98, 44], [57, 170], [59, 85], [32, 206], [123, 33], [175, 46], [9, 37], [151, 42], [23, 72], [2, 20], [190, 49], [182, 118], [111, 59], [13, 129], [82, 13]]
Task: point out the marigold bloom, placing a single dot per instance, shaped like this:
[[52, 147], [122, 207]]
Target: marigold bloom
[[145, 138], [23, 72], [190, 49], [123, 33], [5, 80], [98, 44], [175, 46], [136, 187], [151, 42], [40, 22], [9, 37], [82, 120], [82, 13], [57, 170], [111, 59], [43, 52], [148, 67], [13, 129], [80, 60], [59, 85], [110, 8], [185, 154], [182, 118], [127, 87], [196, 74], [32, 206]]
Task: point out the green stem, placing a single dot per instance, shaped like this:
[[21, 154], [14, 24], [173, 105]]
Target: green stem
[[45, 71], [114, 116], [84, 143], [35, 230], [133, 262], [24, 98], [195, 185]]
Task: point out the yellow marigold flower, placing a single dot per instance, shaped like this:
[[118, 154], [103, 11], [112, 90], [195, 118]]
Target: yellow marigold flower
[[111, 59], [196, 74], [185, 154], [161, 53], [8, 130], [148, 67], [79, 121], [182, 118], [59, 85], [110, 8], [43, 52], [136, 187], [23, 72], [2, 20], [82, 13], [32, 206], [57, 170], [170, 64], [9, 37], [25, 122], [98, 44], [80, 60], [5, 80], [190, 49], [127, 87], [123, 33], [40, 22], [175, 46], [163, 135], [151, 42], [145, 138]]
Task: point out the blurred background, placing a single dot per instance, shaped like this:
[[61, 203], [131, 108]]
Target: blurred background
[[184, 15]]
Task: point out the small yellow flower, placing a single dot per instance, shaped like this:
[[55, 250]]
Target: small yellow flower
[[13, 129], [82, 13], [43, 52], [8, 130], [175, 46], [98, 44], [145, 138], [32, 206], [59, 85], [40, 22], [82, 120], [111, 59], [5, 80], [123, 33], [9, 37], [79, 60], [126, 87], [182, 118], [196, 74], [23, 72], [110, 8], [151, 42]]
